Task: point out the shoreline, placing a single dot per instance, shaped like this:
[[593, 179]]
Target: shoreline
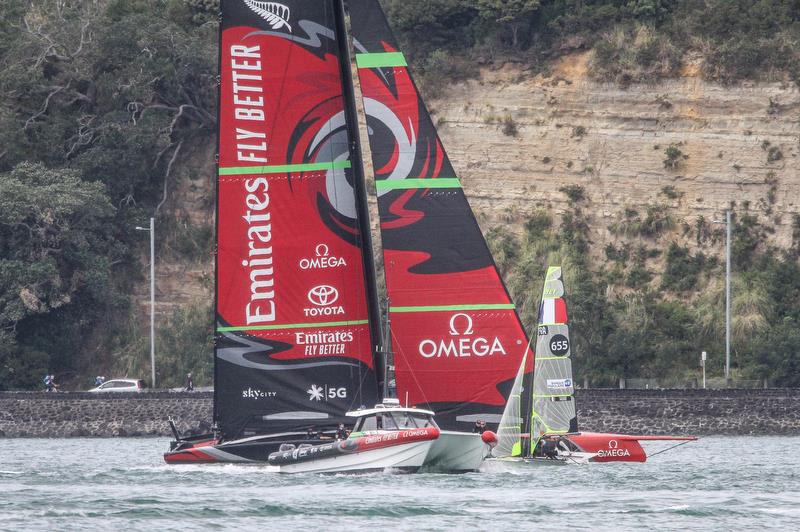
[[774, 411]]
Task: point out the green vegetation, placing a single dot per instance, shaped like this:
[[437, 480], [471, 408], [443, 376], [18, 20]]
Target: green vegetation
[[97, 102], [674, 156], [100, 102], [633, 40], [625, 327], [510, 128]]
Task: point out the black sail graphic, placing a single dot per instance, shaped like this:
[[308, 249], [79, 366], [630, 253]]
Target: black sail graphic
[[456, 336], [294, 337]]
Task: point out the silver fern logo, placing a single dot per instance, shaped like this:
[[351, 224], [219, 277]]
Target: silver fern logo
[[276, 15]]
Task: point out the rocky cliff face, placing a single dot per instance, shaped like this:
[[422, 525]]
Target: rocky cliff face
[[737, 144]]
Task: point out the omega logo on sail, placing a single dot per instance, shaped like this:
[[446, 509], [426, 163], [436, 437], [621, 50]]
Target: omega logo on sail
[[322, 260], [463, 343]]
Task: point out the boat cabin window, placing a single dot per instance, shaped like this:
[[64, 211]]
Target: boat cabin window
[[394, 421], [411, 420]]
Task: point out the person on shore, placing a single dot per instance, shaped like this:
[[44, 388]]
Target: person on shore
[[48, 383], [189, 383], [99, 380]]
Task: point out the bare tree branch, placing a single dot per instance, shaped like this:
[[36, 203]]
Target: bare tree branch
[[166, 176], [45, 105]]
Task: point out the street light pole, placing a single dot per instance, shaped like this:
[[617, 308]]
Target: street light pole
[[728, 225], [728, 298], [703, 357], [152, 231]]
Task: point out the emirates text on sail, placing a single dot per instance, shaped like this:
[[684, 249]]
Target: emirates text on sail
[[251, 146]]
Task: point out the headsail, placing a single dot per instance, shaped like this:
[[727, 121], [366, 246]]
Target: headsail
[[457, 339], [553, 387], [510, 430], [293, 343]]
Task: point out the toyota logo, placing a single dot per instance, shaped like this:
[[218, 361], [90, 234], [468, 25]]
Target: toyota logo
[[323, 295]]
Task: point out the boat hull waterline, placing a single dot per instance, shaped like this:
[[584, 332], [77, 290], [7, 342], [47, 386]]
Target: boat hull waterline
[[456, 452], [404, 450]]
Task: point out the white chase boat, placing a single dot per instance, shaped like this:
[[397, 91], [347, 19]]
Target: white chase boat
[[387, 437]]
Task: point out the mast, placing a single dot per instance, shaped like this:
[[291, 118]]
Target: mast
[[359, 184]]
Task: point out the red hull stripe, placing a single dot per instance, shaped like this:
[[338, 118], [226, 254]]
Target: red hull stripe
[[379, 441]]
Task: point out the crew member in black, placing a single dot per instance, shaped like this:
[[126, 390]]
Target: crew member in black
[[341, 432], [480, 427], [549, 449], [312, 434]]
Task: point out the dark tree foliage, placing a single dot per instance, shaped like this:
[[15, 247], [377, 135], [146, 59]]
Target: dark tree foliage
[[97, 100], [634, 40]]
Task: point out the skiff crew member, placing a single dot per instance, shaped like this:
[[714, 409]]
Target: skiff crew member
[[549, 449], [341, 432], [312, 433], [480, 427]]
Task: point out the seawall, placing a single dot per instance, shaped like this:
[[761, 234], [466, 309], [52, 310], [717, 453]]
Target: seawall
[[698, 412]]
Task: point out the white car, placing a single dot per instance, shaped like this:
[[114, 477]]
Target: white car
[[120, 385]]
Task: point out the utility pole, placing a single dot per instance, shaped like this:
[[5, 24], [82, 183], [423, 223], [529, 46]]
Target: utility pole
[[152, 231], [728, 298], [703, 357], [728, 226]]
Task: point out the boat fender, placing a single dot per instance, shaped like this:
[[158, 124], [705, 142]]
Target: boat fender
[[489, 438]]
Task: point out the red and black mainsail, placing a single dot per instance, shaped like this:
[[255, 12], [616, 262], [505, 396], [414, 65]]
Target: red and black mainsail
[[457, 339], [294, 343]]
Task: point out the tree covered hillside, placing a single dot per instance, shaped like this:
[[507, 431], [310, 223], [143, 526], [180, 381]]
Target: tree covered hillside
[[106, 107]]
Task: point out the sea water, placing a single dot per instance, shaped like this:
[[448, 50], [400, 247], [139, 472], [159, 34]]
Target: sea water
[[717, 483]]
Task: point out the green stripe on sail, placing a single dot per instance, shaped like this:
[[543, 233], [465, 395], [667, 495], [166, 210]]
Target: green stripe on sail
[[540, 396], [551, 358], [446, 308], [284, 168], [291, 326], [381, 59], [410, 184]]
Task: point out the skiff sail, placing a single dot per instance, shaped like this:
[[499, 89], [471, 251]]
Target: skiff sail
[[456, 335], [547, 406]]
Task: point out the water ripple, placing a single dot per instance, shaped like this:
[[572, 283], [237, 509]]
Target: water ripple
[[98, 484]]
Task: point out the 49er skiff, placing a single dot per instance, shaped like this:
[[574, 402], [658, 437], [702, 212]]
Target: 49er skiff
[[540, 422]]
